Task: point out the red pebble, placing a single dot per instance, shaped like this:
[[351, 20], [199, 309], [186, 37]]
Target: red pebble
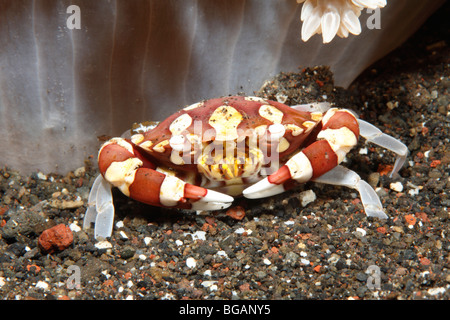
[[56, 238], [237, 213]]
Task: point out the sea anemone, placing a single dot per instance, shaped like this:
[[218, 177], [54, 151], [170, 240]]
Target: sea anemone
[[334, 17]]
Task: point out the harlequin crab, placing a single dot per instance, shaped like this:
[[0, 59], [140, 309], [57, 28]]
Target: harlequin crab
[[203, 155]]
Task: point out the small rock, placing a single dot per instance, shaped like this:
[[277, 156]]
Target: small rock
[[307, 197], [41, 176], [434, 94], [361, 232], [80, 172], [103, 245], [447, 278], [191, 263], [23, 223], [392, 104], [65, 204], [291, 257], [75, 227], [410, 220], [361, 291], [361, 276], [82, 237], [147, 240], [396, 186], [305, 262], [373, 179], [56, 238], [31, 254], [442, 109], [237, 213], [436, 291], [334, 258], [127, 252], [42, 285], [401, 271]]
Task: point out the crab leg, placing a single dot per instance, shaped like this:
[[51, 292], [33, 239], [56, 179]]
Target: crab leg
[[313, 107], [100, 209], [342, 176], [122, 165], [373, 134], [338, 135]]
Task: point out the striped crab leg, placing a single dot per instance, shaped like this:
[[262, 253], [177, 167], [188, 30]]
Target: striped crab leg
[[369, 132], [338, 135], [317, 163], [122, 165]]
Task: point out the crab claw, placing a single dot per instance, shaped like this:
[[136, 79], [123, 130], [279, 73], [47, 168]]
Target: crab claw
[[309, 163], [206, 199], [100, 211], [339, 133], [263, 189]]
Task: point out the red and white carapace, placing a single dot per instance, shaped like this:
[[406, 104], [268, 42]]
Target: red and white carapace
[[208, 152]]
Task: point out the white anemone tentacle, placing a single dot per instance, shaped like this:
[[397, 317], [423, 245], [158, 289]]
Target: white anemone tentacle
[[334, 17]]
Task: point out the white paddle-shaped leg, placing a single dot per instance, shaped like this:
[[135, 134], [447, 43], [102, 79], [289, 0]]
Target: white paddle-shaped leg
[[342, 176], [313, 107], [373, 134], [100, 209]]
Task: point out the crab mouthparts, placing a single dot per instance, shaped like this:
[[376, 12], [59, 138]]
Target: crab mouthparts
[[226, 161]]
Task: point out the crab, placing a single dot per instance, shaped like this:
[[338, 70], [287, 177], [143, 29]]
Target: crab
[[204, 155]]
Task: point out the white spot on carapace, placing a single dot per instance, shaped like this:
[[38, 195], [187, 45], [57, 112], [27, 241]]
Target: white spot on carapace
[[309, 125], [137, 138], [176, 158], [261, 130], [300, 167], [341, 140], [121, 174], [316, 116], [171, 191], [283, 145], [225, 120], [180, 124], [160, 147], [146, 145], [257, 99], [194, 106], [271, 113], [295, 130]]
